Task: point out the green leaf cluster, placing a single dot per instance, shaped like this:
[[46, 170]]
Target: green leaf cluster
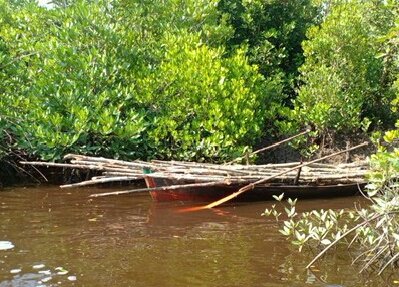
[[346, 84], [127, 79], [273, 31], [191, 80], [203, 104], [372, 231]]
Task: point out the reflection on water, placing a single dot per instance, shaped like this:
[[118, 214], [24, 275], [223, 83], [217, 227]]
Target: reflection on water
[[63, 238]]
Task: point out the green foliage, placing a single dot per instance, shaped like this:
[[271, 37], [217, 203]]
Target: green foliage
[[315, 229], [127, 79], [273, 30], [72, 92], [372, 232], [192, 80], [346, 85], [390, 55], [202, 104]]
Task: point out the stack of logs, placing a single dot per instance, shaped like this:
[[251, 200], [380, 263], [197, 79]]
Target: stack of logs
[[118, 170]]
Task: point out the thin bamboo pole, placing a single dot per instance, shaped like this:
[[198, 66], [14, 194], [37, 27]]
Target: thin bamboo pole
[[82, 158], [205, 166], [99, 180], [288, 176], [161, 188], [68, 165], [118, 173]]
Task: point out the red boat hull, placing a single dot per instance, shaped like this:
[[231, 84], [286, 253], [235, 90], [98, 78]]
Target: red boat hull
[[260, 192]]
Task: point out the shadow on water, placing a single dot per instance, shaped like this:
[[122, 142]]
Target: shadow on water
[[63, 238]]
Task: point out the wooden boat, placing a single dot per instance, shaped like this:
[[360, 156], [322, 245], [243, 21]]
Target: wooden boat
[[259, 193], [207, 181]]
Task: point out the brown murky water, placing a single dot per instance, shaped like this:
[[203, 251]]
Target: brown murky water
[[62, 238]]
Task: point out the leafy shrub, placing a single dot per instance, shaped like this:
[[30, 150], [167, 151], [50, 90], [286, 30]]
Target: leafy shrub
[[345, 84], [72, 89], [371, 232], [273, 31], [202, 104], [128, 79]]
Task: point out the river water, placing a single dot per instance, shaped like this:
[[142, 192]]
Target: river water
[[60, 237]]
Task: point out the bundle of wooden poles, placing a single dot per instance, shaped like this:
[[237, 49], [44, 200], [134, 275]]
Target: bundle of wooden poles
[[204, 173], [118, 170]]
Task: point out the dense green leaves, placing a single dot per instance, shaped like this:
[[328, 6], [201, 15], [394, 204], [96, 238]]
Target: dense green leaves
[[346, 85], [72, 89], [128, 79], [273, 30], [350, 79], [191, 79], [202, 103]]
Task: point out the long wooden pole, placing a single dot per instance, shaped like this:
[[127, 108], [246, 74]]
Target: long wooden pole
[[263, 180], [161, 188], [272, 146], [101, 180]]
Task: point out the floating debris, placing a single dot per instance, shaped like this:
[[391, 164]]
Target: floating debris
[[15, 271], [71, 278], [44, 280], [38, 266], [5, 245], [61, 271]]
